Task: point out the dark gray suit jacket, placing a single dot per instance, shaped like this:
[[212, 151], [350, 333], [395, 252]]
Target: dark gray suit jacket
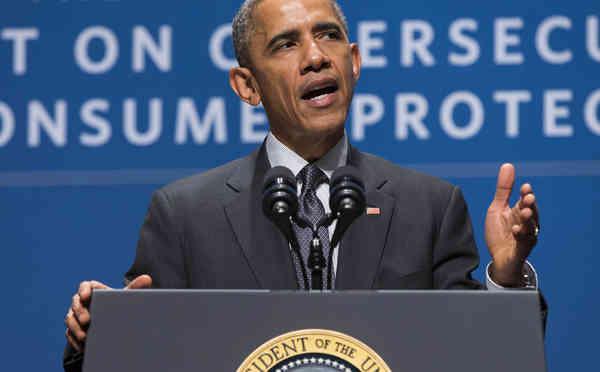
[[209, 231]]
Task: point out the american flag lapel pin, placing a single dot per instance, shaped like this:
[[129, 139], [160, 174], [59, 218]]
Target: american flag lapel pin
[[373, 210]]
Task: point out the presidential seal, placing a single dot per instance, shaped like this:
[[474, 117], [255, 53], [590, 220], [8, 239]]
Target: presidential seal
[[314, 350]]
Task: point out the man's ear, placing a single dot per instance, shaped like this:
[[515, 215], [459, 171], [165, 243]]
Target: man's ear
[[356, 61], [244, 84]]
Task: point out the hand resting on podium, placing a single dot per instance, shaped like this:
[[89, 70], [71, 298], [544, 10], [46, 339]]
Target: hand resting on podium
[[78, 316]]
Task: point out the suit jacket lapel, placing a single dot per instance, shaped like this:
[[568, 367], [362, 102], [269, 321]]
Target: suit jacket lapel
[[263, 245], [361, 249]]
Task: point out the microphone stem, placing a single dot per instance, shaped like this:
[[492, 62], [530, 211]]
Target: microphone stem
[[316, 259], [316, 262]]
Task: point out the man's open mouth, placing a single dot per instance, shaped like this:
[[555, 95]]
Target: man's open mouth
[[319, 93]]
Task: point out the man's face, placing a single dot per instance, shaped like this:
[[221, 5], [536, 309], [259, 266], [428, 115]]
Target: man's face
[[304, 67]]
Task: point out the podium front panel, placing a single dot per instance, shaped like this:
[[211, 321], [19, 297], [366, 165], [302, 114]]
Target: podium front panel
[[194, 330]]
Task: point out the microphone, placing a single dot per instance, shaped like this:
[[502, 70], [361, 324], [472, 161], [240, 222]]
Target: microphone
[[280, 205], [346, 199], [280, 201]]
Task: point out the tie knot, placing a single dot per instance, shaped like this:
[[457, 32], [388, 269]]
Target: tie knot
[[311, 176]]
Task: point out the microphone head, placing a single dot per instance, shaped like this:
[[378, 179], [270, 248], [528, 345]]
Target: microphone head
[[347, 193], [280, 197]]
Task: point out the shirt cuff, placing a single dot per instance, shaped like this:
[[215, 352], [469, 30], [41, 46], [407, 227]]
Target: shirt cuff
[[530, 279]]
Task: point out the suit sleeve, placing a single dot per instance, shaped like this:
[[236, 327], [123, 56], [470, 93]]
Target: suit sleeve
[[455, 253], [72, 360]]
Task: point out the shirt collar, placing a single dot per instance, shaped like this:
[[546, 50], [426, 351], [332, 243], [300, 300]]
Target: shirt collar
[[281, 155]]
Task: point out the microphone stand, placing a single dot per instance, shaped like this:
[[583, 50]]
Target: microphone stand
[[316, 259], [316, 263]]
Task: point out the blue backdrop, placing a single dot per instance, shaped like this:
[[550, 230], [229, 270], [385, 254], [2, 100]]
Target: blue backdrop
[[101, 102]]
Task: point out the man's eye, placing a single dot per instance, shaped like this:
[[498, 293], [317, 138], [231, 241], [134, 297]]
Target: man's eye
[[286, 45], [331, 35]]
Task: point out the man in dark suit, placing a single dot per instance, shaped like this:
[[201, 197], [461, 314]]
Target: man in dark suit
[[208, 231]]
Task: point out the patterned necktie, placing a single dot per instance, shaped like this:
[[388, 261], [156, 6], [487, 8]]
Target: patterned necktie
[[312, 211]]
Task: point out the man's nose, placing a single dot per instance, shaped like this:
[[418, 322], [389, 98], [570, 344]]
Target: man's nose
[[315, 58]]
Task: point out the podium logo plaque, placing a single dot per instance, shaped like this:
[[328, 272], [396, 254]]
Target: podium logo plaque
[[314, 350]]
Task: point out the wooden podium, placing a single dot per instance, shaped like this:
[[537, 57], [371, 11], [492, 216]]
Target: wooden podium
[[264, 331]]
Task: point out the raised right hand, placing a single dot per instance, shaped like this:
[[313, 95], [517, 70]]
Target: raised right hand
[[78, 316]]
